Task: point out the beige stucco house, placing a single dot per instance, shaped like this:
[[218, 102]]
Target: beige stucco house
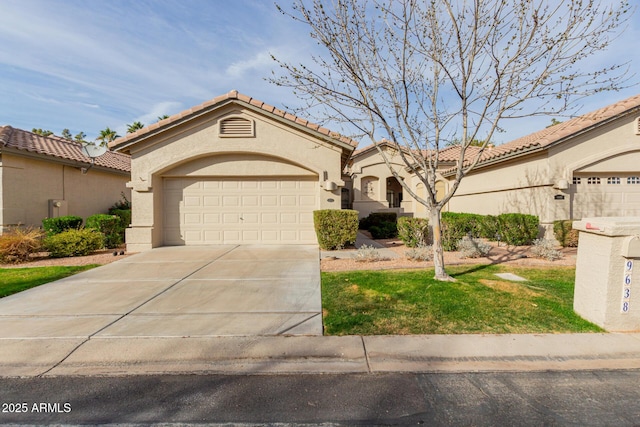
[[587, 166], [44, 177], [373, 188], [231, 170]]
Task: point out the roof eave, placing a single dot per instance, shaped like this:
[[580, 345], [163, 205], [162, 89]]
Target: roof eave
[[60, 160]]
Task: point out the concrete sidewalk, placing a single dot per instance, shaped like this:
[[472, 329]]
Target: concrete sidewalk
[[317, 355]]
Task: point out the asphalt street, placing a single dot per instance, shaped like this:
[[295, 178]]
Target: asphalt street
[[579, 398]]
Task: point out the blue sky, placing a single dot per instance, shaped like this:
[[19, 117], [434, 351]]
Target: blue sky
[[85, 65]]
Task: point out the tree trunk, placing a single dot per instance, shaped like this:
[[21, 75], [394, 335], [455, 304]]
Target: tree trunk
[[438, 251]]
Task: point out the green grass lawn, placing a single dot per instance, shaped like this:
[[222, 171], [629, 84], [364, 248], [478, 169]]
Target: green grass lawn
[[412, 302], [14, 280]]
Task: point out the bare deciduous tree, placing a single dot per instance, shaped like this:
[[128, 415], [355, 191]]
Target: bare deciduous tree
[[423, 73]]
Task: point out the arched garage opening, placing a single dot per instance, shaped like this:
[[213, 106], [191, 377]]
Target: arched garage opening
[[239, 198]]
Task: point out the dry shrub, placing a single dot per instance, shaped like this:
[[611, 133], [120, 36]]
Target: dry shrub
[[17, 244]]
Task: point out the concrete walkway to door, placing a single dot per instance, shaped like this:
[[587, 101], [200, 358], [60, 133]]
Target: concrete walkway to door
[[186, 291]]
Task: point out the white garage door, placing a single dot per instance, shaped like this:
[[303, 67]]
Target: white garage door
[[267, 210], [606, 195]]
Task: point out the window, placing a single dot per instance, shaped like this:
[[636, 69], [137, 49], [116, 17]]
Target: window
[[633, 180], [613, 180], [576, 180], [593, 180], [236, 127]]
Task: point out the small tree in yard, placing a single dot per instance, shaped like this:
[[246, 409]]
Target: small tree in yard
[[425, 73]]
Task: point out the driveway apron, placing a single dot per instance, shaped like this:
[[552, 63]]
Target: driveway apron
[[196, 291]]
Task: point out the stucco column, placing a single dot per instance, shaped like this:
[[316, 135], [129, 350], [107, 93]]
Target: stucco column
[[607, 288]]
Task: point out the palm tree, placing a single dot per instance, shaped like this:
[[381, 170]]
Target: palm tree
[[80, 136], [41, 132], [134, 127], [162, 117], [107, 135]]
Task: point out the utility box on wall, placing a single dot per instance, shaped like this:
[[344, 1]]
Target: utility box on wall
[[57, 208], [607, 289]]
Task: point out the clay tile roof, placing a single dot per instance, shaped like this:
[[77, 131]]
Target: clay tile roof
[[232, 95], [58, 147], [560, 132]]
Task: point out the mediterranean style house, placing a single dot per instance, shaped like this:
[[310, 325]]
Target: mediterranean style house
[[44, 177], [585, 167], [236, 170], [231, 170]]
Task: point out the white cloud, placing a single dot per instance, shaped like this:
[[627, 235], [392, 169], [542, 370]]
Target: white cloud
[[261, 60]]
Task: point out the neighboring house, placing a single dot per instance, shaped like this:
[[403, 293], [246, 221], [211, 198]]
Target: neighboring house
[[587, 166], [231, 170], [44, 177], [372, 187]]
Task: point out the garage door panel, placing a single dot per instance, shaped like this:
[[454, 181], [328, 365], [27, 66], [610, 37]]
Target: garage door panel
[[228, 210], [210, 185], [269, 218], [632, 197], [213, 201], [193, 219], [250, 201], [193, 201], [212, 218], [250, 218], [269, 201], [213, 235], [288, 201], [605, 199]]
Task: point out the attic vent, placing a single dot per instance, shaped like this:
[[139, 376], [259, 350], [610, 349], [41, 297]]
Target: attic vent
[[236, 127], [636, 126]]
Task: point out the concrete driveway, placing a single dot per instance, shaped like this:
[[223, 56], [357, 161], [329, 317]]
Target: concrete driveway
[[186, 291]]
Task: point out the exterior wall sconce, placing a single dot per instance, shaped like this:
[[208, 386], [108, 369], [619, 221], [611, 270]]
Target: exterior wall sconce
[[562, 184], [330, 186]]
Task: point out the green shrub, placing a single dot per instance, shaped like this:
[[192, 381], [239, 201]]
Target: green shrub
[[456, 226], [377, 219], [123, 204], [413, 232], [386, 230], [565, 234], [109, 226], [518, 229], [124, 216], [73, 243], [335, 228], [62, 223], [489, 227], [17, 244]]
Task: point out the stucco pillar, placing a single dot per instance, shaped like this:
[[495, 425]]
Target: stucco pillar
[[607, 288]]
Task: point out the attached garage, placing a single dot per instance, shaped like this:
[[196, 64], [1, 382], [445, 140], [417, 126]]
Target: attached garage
[[232, 171], [608, 194], [267, 210]]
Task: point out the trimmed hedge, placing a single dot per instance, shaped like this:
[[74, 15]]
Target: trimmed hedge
[[518, 229], [109, 226], [335, 228], [73, 243], [512, 228], [124, 216], [414, 232], [565, 234], [381, 225], [377, 219], [60, 224], [456, 226]]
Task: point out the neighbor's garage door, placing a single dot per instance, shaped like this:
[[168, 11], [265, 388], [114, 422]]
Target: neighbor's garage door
[[606, 195], [237, 210]]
